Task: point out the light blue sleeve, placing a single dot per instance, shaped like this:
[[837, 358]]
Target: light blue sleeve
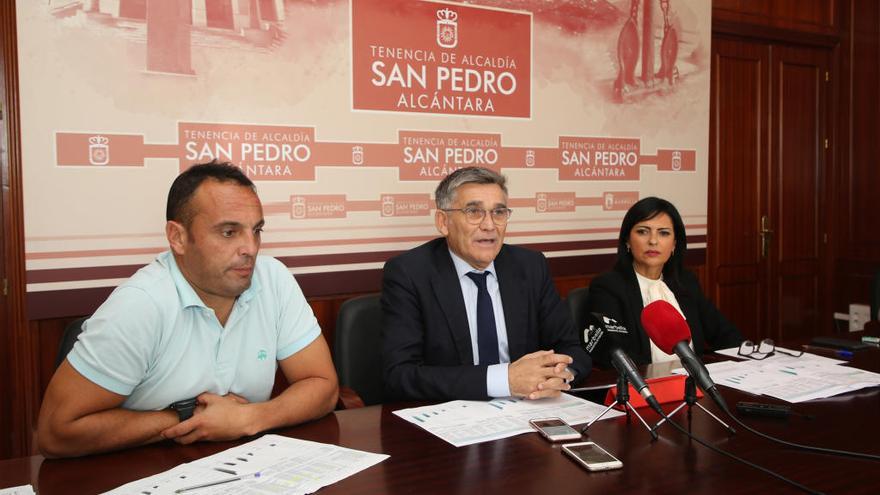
[[116, 346], [297, 325], [496, 380]]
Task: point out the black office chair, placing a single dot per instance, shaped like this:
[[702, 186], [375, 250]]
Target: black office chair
[[875, 298], [357, 349], [578, 302], [71, 333]]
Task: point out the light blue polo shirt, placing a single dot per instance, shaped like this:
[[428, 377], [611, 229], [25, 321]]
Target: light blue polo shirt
[[156, 342]]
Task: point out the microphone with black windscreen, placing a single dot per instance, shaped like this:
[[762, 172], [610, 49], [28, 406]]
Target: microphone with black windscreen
[[599, 334], [669, 331], [602, 333]]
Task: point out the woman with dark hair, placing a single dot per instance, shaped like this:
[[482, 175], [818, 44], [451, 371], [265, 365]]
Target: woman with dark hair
[[650, 267]]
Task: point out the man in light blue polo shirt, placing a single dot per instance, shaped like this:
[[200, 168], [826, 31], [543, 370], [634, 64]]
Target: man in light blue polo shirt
[[187, 348]]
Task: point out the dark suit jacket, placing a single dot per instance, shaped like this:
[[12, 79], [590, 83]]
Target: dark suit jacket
[[426, 342], [616, 294]]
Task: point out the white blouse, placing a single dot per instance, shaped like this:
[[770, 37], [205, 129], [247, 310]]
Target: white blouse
[[657, 290]]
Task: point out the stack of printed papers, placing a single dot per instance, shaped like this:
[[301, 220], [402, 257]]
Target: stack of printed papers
[[465, 422], [270, 464], [792, 379]]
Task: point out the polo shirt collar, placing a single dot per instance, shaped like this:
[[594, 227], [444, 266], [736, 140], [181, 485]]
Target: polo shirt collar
[[187, 294]]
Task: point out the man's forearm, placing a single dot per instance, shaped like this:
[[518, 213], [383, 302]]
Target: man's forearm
[[103, 431], [427, 382], [305, 400]]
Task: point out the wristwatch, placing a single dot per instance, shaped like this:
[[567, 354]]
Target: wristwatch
[[184, 408]]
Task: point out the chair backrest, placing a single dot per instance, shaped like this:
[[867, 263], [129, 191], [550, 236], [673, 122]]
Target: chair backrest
[[578, 304], [875, 298], [357, 348], [71, 333]]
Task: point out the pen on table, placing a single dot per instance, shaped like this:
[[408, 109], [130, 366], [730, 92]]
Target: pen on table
[[218, 482], [841, 353]]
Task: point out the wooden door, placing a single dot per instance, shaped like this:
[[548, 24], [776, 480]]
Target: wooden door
[[767, 160], [796, 214], [738, 173]]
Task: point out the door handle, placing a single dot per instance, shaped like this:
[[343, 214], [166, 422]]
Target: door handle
[[766, 236]]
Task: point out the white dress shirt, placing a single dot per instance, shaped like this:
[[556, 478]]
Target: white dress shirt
[[496, 375]]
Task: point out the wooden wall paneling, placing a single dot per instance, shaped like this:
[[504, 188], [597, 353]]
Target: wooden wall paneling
[[852, 283], [816, 16], [738, 155], [701, 273], [839, 133], [20, 383], [564, 285], [864, 241], [857, 245], [5, 336]]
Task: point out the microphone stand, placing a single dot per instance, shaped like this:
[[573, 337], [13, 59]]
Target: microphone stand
[[622, 399], [690, 400]]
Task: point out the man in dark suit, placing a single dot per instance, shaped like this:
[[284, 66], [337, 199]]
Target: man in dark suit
[[469, 317]]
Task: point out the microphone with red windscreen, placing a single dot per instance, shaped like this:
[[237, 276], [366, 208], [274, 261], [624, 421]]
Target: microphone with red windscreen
[[671, 334]]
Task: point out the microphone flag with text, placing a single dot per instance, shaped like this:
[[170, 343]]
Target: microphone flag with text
[[671, 334], [602, 333]]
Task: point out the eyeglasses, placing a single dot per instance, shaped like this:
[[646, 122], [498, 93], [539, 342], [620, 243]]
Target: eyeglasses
[[763, 350], [475, 215]]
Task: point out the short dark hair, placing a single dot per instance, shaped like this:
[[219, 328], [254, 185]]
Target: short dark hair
[[185, 185], [646, 209], [444, 195]]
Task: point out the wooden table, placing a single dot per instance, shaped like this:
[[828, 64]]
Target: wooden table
[[423, 464]]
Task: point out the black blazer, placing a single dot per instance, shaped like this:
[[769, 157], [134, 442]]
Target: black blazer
[[616, 294], [426, 342]]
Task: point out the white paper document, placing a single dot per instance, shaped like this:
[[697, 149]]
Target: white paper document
[[789, 378], [18, 490], [466, 422], [271, 464]]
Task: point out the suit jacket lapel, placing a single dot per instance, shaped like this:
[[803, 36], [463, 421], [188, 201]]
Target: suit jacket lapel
[[447, 291], [634, 294], [515, 301]]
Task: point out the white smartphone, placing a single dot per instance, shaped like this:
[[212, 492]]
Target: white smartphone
[[554, 429], [591, 456]]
